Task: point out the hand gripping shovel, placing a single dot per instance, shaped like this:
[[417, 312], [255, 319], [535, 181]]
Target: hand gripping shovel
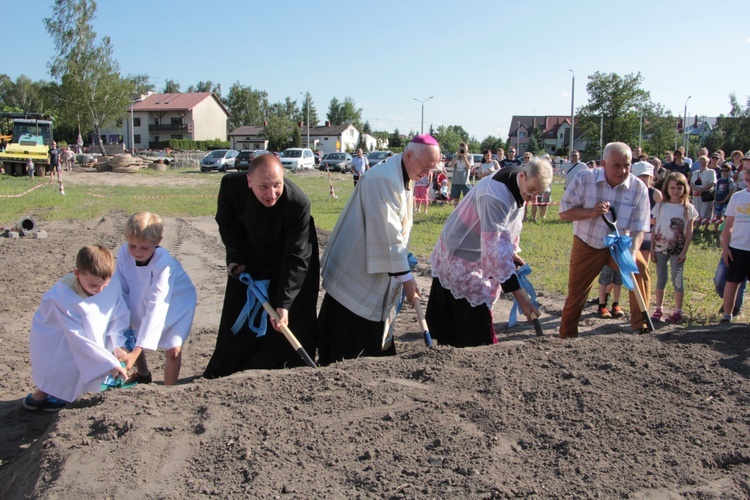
[[628, 278], [261, 297], [423, 323]]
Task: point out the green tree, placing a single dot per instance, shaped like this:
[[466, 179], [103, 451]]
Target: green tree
[[22, 95], [536, 141], [279, 132], [287, 109], [492, 143], [620, 100], [733, 131], [246, 106], [207, 86], [659, 131], [90, 83], [141, 83], [171, 87], [395, 141], [366, 129], [344, 113], [450, 137], [302, 117]]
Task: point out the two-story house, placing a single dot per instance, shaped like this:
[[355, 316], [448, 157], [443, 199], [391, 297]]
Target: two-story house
[[198, 116]]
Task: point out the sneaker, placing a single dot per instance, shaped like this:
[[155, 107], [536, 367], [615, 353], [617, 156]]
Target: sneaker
[[141, 379], [604, 313], [617, 311], [675, 318], [726, 319], [656, 317], [50, 404]]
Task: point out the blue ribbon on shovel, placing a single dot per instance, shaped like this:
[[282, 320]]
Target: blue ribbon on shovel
[[257, 294], [619, 248], [257, 297], [522, 272]]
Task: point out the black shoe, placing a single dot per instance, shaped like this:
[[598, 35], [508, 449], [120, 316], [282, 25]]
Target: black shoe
[[736, 311], [141, 379]]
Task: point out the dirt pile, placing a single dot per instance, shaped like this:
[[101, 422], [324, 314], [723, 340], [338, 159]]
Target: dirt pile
[[607, 415]]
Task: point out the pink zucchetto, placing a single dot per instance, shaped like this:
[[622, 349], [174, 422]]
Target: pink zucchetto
[[425, 139]]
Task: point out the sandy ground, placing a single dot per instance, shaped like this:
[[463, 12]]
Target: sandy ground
[[610, 414]]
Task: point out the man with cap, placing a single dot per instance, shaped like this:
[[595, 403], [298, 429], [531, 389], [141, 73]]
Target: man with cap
[[367, 256], [645, 172]]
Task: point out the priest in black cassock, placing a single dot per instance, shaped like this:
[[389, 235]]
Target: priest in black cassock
[[265, 223]]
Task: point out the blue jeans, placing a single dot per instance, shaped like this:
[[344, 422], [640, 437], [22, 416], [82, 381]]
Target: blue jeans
[[720, 279]]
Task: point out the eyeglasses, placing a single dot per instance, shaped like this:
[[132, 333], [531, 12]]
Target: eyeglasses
[[678, 154]]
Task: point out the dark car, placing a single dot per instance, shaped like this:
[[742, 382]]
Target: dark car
[[376, 157], [336, 162], [246, 156]]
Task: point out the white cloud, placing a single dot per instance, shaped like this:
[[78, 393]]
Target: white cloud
[[747, 40], [565, 94]]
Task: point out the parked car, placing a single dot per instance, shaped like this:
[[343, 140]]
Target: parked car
[[376, 157], [337, 162], [242, 162], [220, 159], [298, 159]]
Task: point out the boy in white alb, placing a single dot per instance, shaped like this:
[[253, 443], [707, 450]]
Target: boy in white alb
[[159, 294], [77, 334]]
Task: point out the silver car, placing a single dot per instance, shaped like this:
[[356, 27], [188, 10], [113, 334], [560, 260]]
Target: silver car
[[220, 159]]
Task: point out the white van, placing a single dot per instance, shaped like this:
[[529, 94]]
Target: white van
[[297, 159]]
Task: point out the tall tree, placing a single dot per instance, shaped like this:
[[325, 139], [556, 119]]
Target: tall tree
[[171, 87], [207, 86], [395, 141], [302, 117], [141, 83], [247, 106], [90, 81], [334, 112], [493, 143], [620, 100], [23, 94], [344, 113], [732, 131], [280, 133]]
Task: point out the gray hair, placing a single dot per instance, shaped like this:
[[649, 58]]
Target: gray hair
[[617, 147], [540, 169]]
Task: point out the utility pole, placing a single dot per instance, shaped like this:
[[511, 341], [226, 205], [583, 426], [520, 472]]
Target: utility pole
[[572, 112], [423, 101]]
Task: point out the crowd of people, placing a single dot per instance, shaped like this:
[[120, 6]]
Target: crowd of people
[[102, 318]]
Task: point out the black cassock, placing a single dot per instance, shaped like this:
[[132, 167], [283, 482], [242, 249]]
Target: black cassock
[[276, 243]]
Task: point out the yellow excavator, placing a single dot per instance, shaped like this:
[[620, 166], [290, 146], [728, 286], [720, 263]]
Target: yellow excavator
[[32, 138]]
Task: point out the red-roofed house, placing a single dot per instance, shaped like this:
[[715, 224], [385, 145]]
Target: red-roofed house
[[198, 116], [555, 132]]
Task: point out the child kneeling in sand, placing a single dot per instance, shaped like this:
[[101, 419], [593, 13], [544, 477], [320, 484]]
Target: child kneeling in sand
[[159, 294], [77, 333]]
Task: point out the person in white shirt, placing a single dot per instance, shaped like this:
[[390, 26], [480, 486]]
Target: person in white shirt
[[360, 165], [572, 168]]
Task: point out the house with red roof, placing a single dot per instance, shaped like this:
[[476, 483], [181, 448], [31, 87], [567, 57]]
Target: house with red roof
[[555, 133], [198, 116]]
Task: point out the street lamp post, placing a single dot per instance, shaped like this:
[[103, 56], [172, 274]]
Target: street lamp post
[[419, 100], [132, 132], [307, 101], [572, 112], [684, 127]]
